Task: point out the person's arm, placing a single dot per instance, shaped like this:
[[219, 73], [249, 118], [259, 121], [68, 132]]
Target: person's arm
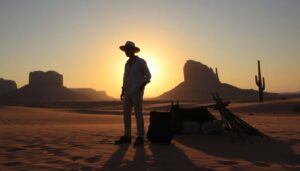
[[122, 95], [124, 78], [147, 75]]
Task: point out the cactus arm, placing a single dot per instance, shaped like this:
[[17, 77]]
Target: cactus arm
[[256, 80], [263, 84], [259, 74]]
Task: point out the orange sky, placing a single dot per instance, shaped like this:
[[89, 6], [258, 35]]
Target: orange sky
[[80, 40]]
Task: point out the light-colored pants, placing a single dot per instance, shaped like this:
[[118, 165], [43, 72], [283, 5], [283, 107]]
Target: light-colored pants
[[133, 100]]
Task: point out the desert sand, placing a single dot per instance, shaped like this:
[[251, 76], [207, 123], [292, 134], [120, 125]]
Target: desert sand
[[73, 139]]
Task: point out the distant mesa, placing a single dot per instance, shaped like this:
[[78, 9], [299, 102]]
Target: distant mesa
[[42, 87], [7, 86], [200, 82], [92, 94], [45, 79], [46, 87]]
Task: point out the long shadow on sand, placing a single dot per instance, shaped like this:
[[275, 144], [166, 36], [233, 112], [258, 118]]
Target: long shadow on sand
[[115, 162], [97, 112], [163, 157], [260, 152], [170, 157]]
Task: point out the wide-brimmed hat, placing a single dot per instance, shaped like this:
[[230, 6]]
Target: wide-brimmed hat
[[130, 44]]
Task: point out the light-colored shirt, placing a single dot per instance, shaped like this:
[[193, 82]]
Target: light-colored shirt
[[136, 73]]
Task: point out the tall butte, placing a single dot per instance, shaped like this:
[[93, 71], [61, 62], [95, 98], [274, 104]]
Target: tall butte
[[200, 82]]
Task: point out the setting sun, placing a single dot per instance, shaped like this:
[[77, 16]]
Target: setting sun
[[152, 67]]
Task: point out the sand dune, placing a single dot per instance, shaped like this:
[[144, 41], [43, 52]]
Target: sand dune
[[59, 139], [289, 106]]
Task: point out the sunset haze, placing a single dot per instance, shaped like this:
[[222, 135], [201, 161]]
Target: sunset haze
[[81, 39]]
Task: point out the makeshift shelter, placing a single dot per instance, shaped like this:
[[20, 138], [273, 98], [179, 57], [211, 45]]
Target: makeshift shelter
[[200, 120], [232, 124], [195, 119]]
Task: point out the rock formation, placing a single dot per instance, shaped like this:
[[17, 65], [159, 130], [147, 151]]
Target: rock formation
[[195, 72], [200, 82], [42, 87], [47, 87], [92, 94], [45, 79], [7, 86]]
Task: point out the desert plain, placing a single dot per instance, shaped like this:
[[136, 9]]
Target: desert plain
[[82, 138]]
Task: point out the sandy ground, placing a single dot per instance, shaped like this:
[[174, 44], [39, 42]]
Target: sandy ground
[[56, 139]]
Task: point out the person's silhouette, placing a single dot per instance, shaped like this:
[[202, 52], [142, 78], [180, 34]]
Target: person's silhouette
[[136, 77]]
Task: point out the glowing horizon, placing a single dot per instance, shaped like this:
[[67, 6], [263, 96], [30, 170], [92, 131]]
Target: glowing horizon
[[81, 39]]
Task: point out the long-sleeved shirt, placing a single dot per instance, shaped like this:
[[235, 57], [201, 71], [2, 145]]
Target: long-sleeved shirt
[[136, 74]]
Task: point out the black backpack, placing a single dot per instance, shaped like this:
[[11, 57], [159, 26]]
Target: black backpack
[[160, 127]]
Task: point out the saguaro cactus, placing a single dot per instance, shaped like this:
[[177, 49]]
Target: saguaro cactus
[[260, 83], [217, 74]]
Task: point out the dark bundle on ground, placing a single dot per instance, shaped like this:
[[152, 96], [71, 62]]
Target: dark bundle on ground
[[160, 128], [181, 115], [297, 108], [233, 125]]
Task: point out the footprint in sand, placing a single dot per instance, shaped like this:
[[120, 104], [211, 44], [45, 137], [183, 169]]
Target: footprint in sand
[[87, 168], [57, 152], [55, 161], [93, 159], [227, 162], [78, 167], [261, 163], [74, 158], [54, 151], [14, 149], [11, 163], [72, 166], [105, 141], [31, 146], [80, 146]]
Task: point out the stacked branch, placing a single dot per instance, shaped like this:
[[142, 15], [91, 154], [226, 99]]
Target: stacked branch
[[233, 125]]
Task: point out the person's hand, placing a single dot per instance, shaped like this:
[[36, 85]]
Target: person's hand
[[142, 87], [122, 97]]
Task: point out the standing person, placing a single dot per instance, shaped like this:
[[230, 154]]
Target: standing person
[[136, 77]]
